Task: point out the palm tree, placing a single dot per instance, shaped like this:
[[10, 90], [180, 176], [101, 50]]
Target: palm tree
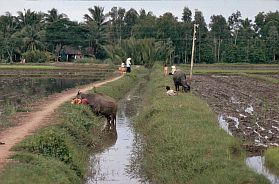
[[97, 16], [29, 17], [31, 25], [96, 23], [8, 28], [53, 16]]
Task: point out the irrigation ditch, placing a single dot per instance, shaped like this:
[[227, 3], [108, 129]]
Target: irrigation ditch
[[118, 161]]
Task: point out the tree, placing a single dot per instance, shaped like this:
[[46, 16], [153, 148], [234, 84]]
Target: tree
[[166, 25], [31, 30], [29, 17], [96, 24], [246, 33], [259, 23], [117, 22], [273, 42], [168, 28], [187, 15], [130, 19], [219, 30], [8, 28], [54, 16], [235, 22], [201, 35], [146, 27], [62, 32]]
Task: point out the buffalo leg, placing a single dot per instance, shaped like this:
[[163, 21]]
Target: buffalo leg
[[176, 87]]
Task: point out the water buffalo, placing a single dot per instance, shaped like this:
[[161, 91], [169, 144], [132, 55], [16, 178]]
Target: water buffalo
[[179, 79], [101, 104]]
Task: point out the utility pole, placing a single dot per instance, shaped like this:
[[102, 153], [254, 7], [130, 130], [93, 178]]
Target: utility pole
[[193, 51]]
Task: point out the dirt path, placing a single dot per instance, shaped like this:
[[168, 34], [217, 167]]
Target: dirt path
[[41, 116]]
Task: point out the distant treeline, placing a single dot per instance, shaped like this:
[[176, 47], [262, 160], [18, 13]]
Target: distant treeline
[[118, 34]]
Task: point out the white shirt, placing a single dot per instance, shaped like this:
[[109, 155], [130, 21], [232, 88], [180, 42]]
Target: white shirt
[[173, 69], [128, 63]]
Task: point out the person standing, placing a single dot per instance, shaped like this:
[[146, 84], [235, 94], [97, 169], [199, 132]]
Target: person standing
[[165, 69], [128, 65], [173, 69], [123, 67]]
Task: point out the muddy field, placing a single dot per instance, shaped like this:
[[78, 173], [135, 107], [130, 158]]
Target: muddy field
[[247, 108]]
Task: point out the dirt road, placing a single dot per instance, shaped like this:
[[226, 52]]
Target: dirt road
[[41, 116]]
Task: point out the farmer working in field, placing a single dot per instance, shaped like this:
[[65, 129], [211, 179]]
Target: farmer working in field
[[128, 65]]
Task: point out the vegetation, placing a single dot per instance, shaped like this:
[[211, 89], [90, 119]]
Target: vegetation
[[272, 159], [59, 153], [120, 33], [183, 143]]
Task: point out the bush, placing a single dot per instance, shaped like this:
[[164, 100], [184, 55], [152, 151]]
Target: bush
[[37, 56], [50, 142]]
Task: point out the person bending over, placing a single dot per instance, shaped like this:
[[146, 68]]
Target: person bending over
[[170, 92]]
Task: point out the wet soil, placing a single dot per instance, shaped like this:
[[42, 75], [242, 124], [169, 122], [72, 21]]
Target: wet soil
[[249, 108]]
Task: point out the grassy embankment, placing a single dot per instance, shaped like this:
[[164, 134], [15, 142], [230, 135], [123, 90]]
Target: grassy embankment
[[272, 159], [59, 153], [183, 142]]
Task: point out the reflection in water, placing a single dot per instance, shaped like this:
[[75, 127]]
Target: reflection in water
[[257, 164], [115, 164], [18, 92]]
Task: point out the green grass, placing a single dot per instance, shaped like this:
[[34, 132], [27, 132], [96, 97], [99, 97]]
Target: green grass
[[65, 144], [272, 159], [38, 169], [59, 153], [183, 142]]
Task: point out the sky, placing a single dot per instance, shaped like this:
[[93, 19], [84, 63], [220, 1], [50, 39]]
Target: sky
[[75, 9]]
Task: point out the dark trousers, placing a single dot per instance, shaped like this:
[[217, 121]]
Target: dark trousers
[[128, 69]]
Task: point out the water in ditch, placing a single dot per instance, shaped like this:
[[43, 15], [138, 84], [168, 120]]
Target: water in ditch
[[118, 163], [256, 163]]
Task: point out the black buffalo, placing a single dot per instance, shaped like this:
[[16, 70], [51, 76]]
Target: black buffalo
[[179, 79], [101, 104]]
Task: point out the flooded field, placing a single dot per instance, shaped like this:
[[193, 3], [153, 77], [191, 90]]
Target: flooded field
[[118, 163], [18, 92]]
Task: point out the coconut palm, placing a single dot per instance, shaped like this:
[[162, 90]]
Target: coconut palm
[[54, 16], [8, 28], [31, 30], [96, 24], [29, 17]]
